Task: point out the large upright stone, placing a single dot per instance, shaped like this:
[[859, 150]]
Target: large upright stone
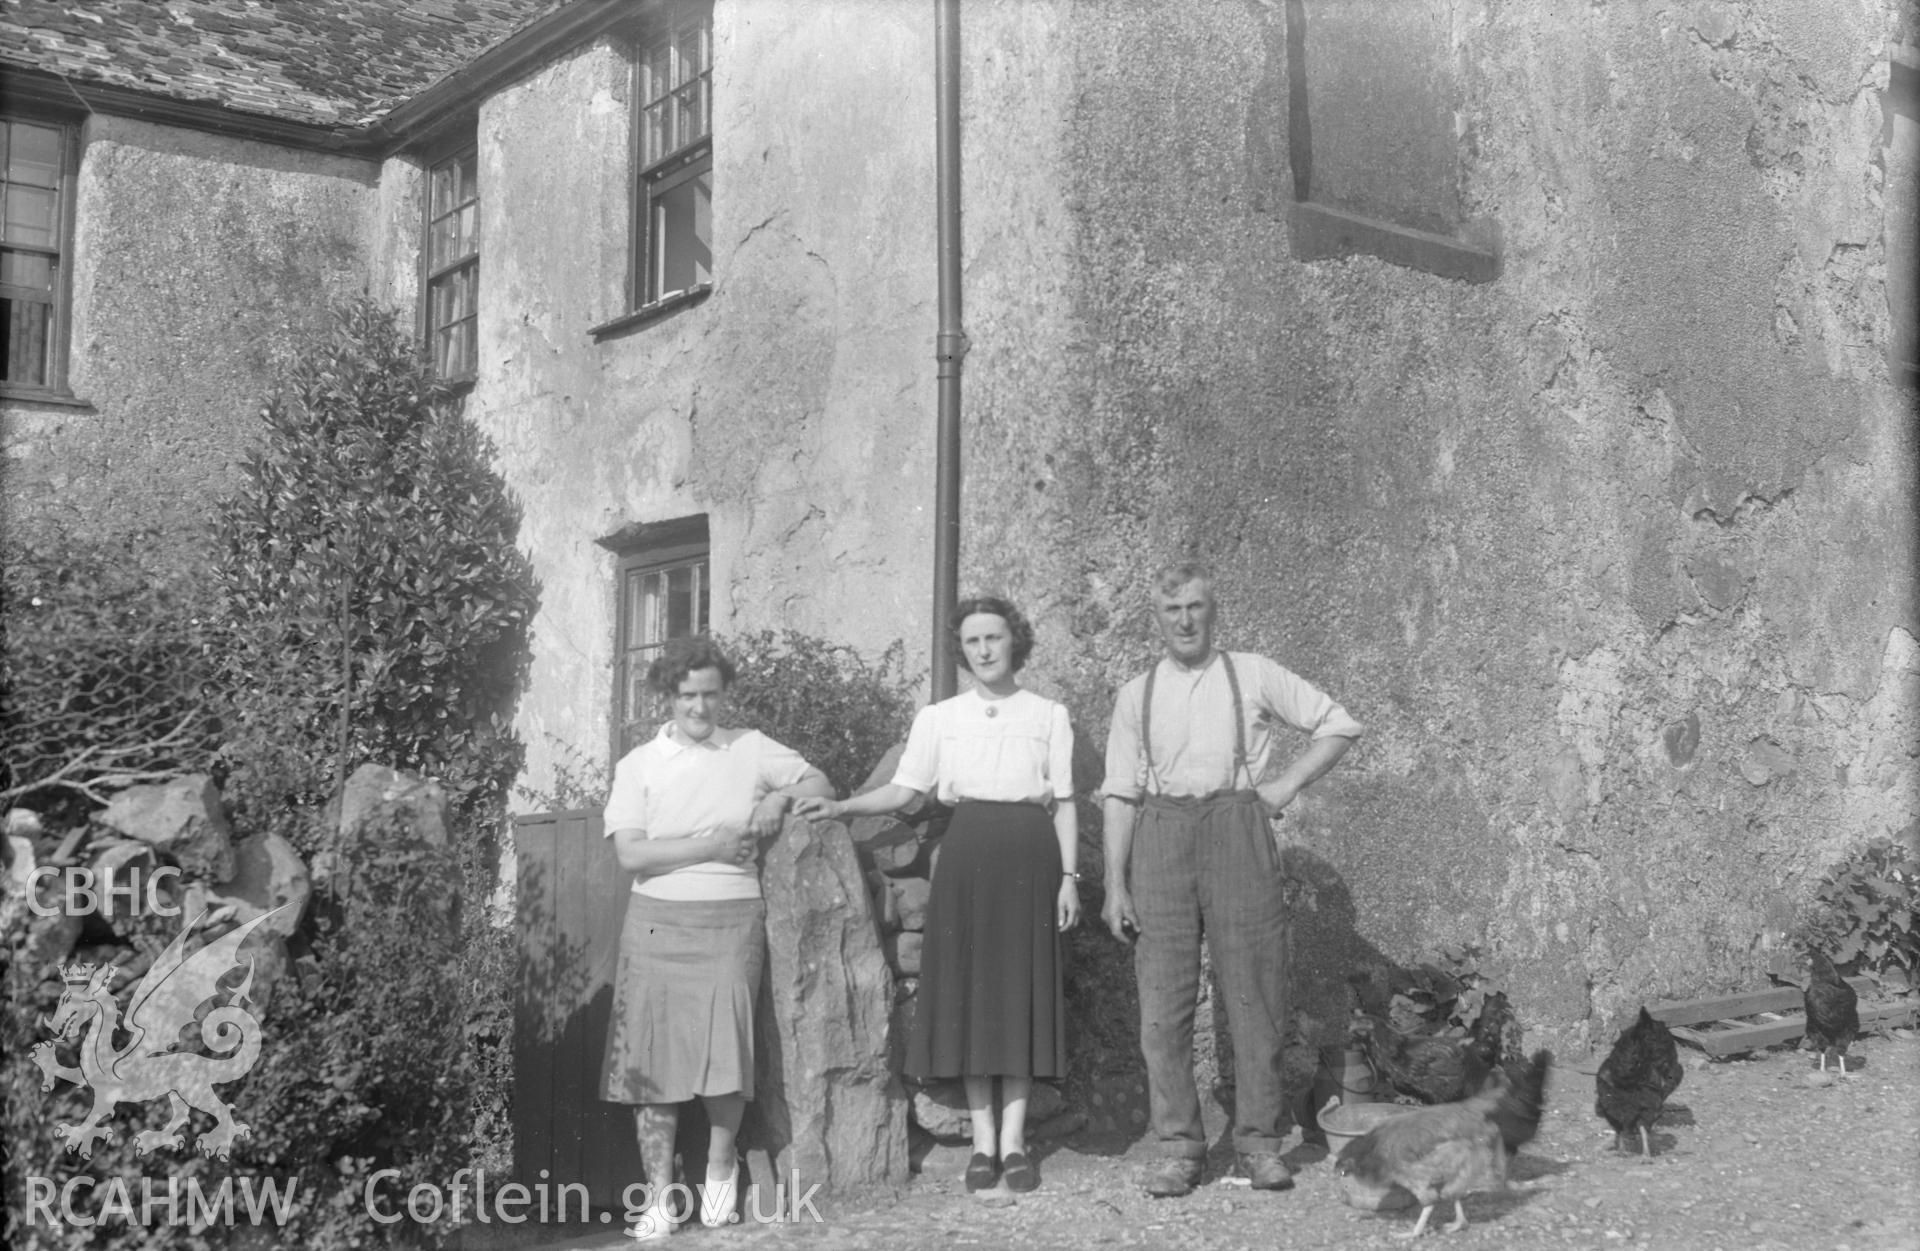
[[384, 807], [182, 818], [267, 874], [376, 794], [829, 1108]]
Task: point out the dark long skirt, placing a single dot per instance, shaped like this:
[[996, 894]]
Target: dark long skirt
[[990, 1000]]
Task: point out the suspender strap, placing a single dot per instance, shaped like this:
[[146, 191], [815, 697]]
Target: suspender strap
[[1146, 717], [1239, 722], [1239, 727]]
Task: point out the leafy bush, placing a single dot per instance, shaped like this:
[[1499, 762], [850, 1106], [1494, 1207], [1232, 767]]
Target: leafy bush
[[378, 606], [372, 606], [390, 1048], [823, 699], [1448, 992], [388, 1054], [1862, 914], [103, 673]]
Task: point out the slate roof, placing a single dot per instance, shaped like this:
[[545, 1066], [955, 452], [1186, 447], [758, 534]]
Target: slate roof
[[337, 63]]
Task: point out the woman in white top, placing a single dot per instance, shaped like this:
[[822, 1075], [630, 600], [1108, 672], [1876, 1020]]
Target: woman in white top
[[990, 1003], [687, 814]]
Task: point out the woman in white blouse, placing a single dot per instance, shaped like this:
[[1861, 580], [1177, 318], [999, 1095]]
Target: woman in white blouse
[[687, 814], [1004, 889]]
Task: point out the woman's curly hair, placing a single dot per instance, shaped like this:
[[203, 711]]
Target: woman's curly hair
[[681, 657], [1017, 625]]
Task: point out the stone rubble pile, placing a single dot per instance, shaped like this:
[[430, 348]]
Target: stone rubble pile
[[168, 850]]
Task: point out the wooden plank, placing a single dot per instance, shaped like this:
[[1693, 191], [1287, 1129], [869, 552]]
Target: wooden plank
[[1734, 1038], [1723, 1007], [611, 1150], [572, 878], [533, 1060]]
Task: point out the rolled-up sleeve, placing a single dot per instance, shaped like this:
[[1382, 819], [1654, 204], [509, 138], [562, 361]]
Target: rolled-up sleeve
[[1303, 705], [778, 765], [1124, 763]]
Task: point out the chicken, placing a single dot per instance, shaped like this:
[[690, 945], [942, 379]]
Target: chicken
[[1428, 1068], [1639, 1073], [1518, 1112], [1833, 1011], [1495, 1034], [1453, 1149]]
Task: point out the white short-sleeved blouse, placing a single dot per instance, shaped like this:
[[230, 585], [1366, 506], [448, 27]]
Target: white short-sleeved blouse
[[1013, 750], [675, 789]]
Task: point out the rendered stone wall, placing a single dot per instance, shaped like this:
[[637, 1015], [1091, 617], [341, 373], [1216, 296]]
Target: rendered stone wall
[[793, 406], [198, 262], [1614, 555]]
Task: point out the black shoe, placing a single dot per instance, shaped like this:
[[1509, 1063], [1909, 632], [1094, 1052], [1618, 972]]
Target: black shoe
[[1020, 1173], [981, 1172]]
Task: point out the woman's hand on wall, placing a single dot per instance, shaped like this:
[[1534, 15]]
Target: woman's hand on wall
[[816, 808]]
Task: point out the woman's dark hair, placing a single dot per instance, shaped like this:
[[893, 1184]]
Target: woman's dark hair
[[1016, 624], [683, 656]]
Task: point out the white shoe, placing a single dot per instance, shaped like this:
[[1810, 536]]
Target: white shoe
[[654, 1223], [716, 1197]]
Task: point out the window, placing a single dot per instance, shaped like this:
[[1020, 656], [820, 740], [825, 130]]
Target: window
[[664, 595], [37, 189], [453, 265], [673, 158], [1376, 138]]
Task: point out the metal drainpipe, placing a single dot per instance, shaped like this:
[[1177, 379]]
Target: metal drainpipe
[[950, 344]]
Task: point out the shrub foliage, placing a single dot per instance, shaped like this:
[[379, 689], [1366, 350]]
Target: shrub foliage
[[378, 604], [1862, 913], [368, 603], [824, 700]]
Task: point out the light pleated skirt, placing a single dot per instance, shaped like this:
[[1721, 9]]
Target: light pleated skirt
[[683, 999]]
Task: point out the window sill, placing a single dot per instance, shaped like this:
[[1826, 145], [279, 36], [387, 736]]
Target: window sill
[[60, 399], [652, 312], [1322, 232]]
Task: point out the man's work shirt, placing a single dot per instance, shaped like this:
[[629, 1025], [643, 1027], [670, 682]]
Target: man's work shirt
[[1192, 729]]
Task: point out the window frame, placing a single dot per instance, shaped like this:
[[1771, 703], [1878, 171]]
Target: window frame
[[462, 146], [655, 549], [56, 388], [671, 169]]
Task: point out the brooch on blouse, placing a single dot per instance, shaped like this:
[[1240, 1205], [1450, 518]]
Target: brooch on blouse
[[992, 711]]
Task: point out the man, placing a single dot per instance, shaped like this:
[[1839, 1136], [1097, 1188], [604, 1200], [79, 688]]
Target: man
[[1190, 851]]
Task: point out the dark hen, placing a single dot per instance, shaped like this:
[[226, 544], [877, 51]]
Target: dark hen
[[1641, 1071], [1833, 1011], [1429, 1068], [1454, 1149], [1519, 1110]]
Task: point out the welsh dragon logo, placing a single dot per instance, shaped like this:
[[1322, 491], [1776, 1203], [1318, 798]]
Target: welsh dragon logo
[[166, 1000]]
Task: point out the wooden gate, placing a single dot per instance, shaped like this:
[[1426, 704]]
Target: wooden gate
[[572, 895]]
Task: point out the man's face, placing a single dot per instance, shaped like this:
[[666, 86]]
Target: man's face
[[1186, 622]]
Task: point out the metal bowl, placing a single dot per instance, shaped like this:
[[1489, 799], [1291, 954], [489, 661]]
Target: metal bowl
[[1348, 1121]]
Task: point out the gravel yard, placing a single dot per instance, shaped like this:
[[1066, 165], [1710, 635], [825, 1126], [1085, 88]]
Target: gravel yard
[[1749, 1155]]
